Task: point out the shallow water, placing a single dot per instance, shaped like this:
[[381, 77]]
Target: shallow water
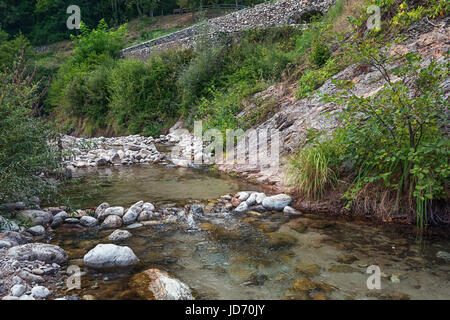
[[125, 185], [238, 260]]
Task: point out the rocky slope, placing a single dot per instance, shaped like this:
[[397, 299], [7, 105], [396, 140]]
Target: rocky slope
[[294, 117]]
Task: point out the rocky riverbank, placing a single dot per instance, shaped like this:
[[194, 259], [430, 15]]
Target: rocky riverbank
[[101, 151], [34, 269]]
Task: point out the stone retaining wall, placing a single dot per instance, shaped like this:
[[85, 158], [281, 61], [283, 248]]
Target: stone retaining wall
[[281, 13]]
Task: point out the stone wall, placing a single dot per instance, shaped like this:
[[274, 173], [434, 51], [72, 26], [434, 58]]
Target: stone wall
[[283, 12]]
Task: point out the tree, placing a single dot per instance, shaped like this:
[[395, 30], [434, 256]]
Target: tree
[[25, 153]]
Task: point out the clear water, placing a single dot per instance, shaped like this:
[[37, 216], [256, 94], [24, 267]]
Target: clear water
[[237, 261]]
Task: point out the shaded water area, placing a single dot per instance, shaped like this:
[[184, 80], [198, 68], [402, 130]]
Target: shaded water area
[[249, 257]]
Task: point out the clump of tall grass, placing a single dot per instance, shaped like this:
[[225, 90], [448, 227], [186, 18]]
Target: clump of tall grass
[[312, 169]]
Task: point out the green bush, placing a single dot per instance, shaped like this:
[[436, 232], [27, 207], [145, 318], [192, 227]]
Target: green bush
[[24, 150], [80, 89], [312, 79], [320, 54], [10, 49], [144, 97], [395, 137], [219, 78], [92, 46]]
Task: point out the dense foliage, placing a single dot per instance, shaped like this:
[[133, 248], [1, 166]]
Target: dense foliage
[[25, 154]]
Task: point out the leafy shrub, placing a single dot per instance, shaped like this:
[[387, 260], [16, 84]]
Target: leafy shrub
[[394, 137], [144, 98], [314, 78], [11, 49], [93, 45], [80, 89], [24, 149], [320, 54]]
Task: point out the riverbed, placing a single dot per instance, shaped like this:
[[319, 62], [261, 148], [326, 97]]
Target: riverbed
[[269, 256]]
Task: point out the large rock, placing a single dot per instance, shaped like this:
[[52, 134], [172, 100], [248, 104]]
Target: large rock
[[38, 251], [88, 221], [277, 202], [58, 221], [147, 206], [154, 284], [37, 230], [111, 211], [145, 215], [110, 256], [132, 213], [251, 200], [99, 210], [61, 215], [112, 222], [243, 195], [242, 208], [36, 217]]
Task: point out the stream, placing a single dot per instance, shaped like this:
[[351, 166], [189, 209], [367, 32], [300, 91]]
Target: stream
[[248, 257]]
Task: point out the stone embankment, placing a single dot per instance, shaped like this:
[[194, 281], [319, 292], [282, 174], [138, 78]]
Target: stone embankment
[[280, 13], [95, 152]]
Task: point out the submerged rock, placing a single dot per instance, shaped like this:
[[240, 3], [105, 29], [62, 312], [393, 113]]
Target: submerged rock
[[119, 235], [277, 202], [347, 259], [307, 269], [297, 225], [303, 284], [154, 284], [38, 251], [342, 268], [110, 256], [281, 239], [134, 225]]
